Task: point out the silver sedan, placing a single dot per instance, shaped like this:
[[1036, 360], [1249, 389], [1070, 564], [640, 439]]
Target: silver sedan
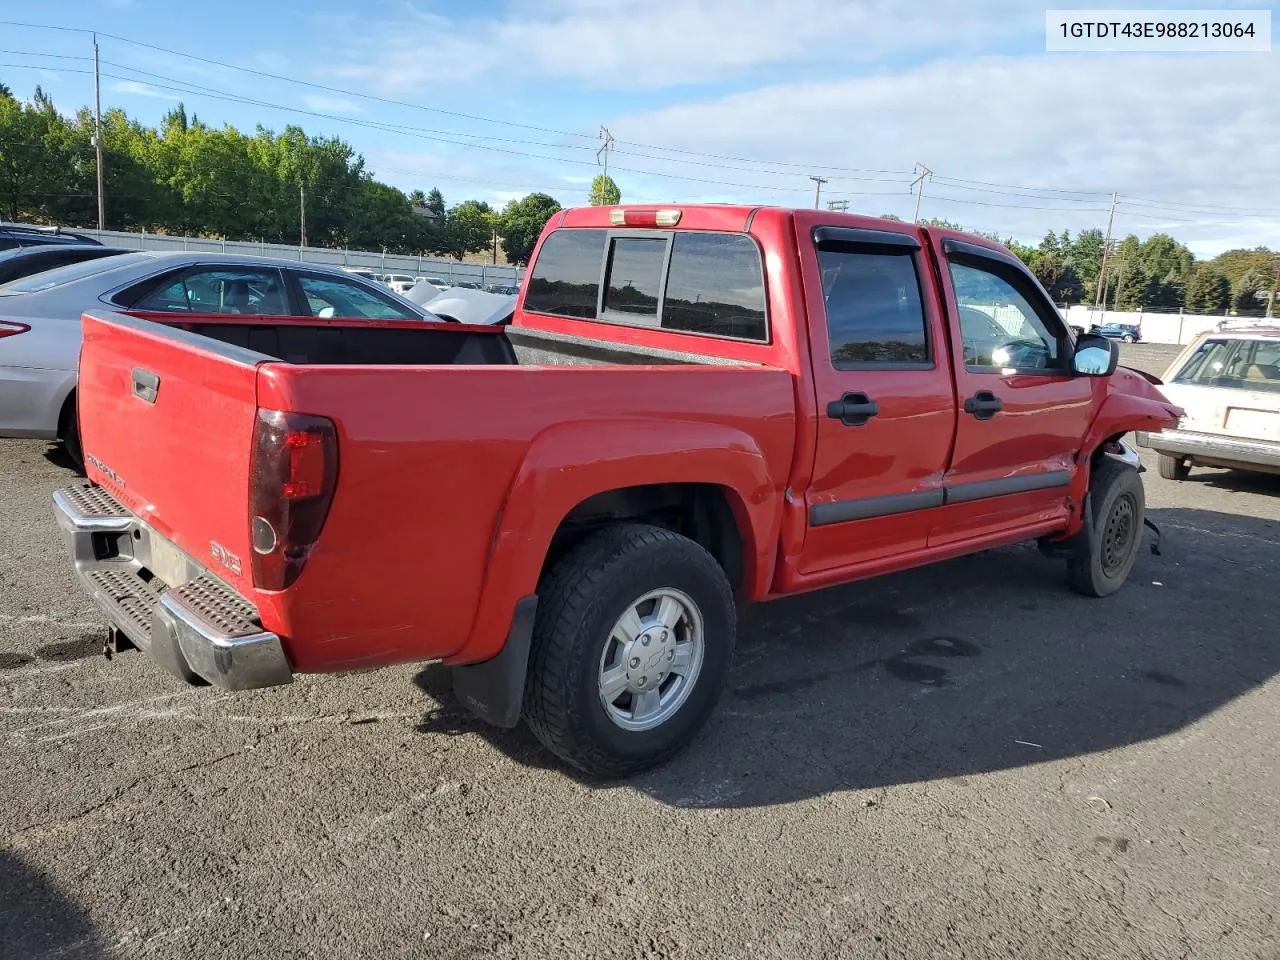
[[40, 317]]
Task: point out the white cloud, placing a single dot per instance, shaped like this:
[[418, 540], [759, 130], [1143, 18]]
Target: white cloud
[[654, 44], [138, 89], [1191, 130], [322, 103]]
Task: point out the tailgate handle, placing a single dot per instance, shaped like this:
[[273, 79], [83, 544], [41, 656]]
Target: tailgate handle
[[146, 385]]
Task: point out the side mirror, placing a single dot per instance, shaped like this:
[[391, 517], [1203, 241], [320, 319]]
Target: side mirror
[[1095, 356]]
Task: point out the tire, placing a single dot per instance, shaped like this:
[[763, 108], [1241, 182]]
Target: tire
[[1173, 468], [1128, 338], [1118, 508], [71, 436], [576, 646]]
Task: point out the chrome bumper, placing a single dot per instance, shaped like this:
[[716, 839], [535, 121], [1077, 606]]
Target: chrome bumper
[[1212, 448], [196, 626]]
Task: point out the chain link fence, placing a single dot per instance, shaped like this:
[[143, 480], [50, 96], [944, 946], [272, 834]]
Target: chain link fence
[[452, 271]]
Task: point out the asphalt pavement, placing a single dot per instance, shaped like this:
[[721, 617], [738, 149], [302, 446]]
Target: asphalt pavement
[[962, 761]]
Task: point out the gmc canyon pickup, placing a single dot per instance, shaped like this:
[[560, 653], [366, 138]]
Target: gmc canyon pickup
[[694, 407]]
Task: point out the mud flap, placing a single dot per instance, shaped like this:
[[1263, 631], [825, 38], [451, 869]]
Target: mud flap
[[494, 690]]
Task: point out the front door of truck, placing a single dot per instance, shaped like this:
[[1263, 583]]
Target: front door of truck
[[886, 410], [1022, 412]]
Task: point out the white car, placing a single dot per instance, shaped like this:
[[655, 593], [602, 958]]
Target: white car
[[436, 282], [401, 283], [40, 317], [1228, 382]]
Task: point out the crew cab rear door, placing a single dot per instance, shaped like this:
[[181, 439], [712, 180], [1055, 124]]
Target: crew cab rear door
[[1022, 414], [885, 402]]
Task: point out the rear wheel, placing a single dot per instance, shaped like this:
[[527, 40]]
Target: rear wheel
[[1118, 505], [631, 648], [1173, 468], [70, 432]]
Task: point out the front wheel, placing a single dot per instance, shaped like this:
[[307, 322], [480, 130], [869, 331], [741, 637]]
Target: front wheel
[[631, 648], [1118, 505], [1128, 338]]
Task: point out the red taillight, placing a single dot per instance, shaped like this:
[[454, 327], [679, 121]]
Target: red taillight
[[292, 476], [11, 328]]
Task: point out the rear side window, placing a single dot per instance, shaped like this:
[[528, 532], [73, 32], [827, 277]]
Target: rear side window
[[1241, 364], [874, 311], [704, 283]]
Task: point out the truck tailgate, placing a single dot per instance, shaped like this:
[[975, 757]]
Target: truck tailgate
[[167, 421]]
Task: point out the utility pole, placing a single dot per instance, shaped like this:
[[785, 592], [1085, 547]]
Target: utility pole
[[918, 185], [817, 196], [838, 206], [606, 141], [97, 135], [1106, 252], [302, 213]]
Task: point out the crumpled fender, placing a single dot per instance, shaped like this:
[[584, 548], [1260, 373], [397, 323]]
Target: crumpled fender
[[1129, 402], [570, 462]]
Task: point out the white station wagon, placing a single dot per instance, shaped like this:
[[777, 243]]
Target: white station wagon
[[1228, 381]]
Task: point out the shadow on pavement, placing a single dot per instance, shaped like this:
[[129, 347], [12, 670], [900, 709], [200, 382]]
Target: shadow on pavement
[[1237, 481], [37, 920], [980, 664], [57, 455]]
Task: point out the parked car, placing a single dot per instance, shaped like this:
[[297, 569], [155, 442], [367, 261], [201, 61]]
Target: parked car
[[1120, 331], [504, 289], [764, 402], [1228, 382], [399, 282], [40, 317], [436, 282], [22, 262], [28, 235]]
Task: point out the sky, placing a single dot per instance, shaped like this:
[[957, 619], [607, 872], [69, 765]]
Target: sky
[[708, 100]]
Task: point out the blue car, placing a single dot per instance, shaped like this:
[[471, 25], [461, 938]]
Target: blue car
[[1119, 331]]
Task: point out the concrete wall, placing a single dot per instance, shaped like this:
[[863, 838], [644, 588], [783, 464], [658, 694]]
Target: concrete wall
[[1156, 327]]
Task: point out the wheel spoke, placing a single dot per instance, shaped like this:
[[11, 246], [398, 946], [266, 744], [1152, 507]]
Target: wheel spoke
[[646, 705], [668, 612], [684, 659], [613, 682], [628, 626]]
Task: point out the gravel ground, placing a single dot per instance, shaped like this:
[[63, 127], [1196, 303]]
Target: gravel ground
[[962, 761]]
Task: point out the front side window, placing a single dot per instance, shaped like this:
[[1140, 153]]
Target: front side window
[[329, 296], [1000, 327], [874, 310], [220, 289]]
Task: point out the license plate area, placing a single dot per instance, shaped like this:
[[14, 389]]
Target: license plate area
[[1252, 424]]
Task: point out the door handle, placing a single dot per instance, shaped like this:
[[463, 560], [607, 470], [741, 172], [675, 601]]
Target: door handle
[[984, 405], [853, 409], [146, 385]]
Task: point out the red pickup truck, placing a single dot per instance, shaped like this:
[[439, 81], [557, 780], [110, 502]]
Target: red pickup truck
[[694, 407]]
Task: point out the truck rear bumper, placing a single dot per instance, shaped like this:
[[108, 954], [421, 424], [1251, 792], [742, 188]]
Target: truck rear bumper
[[196, 627]]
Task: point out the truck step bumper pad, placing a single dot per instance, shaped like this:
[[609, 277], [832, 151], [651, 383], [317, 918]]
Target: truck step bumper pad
[[198, 630]]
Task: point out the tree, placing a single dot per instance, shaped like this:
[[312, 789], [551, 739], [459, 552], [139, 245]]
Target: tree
[[604, 192], [1236, 263], [435, 203], [890, 216], [1131, 286], [1209, 290], [467, 229], [1250, 294], [1058, 277], [1085, 254], [5, 92], [522, 223], [418, 198]]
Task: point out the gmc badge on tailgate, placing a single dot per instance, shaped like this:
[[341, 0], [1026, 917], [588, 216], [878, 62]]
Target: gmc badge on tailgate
[[224, 556]]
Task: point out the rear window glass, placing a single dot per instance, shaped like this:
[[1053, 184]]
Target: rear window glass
[[566, 276], [73, 271], [635, 277], [714, 282]]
